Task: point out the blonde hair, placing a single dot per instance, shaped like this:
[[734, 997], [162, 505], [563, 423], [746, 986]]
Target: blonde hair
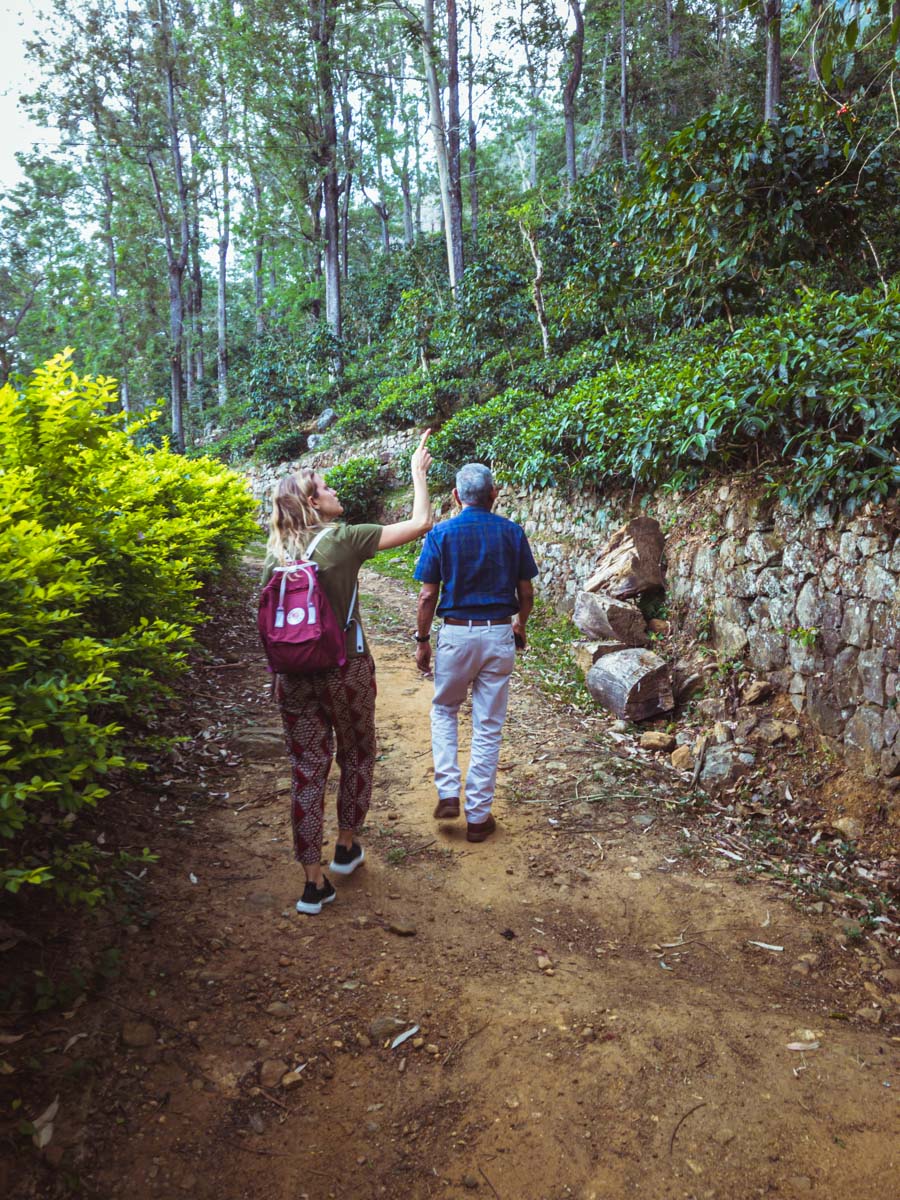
[[294, 521]]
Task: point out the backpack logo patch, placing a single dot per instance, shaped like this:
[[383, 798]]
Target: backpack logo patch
[[296, 616]]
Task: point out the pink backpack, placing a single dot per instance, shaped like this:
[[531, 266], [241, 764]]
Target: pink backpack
[[297, 625]]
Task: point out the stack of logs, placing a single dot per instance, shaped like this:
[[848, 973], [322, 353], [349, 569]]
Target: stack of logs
[[623, 674]]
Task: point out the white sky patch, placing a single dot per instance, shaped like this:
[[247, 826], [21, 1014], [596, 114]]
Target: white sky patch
[[18, 22]]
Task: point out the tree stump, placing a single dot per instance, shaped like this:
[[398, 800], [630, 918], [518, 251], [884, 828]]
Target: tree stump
[[634, 684]]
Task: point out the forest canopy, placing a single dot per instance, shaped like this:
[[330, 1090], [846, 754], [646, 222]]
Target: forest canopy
[[400, 211]]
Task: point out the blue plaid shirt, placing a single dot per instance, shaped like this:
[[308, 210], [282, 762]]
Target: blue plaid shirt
[[478, 558]]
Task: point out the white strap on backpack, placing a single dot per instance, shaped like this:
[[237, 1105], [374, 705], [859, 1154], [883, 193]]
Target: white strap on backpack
[[351, 620]]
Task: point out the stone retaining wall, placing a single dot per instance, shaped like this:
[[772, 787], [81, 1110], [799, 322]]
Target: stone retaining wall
[[812, 601]]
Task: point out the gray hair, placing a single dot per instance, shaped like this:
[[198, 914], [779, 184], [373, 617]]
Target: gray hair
[[475, 485]]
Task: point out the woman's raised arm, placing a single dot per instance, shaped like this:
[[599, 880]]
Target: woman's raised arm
[[420, 522]]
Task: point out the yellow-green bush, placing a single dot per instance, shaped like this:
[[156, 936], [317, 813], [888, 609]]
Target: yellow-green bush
[[103, 547]]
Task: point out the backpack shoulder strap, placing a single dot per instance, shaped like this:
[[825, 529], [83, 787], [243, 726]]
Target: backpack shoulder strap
[[312, 545], [350, 619]]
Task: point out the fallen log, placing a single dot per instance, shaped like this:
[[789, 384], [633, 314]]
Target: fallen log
[[634, 684]]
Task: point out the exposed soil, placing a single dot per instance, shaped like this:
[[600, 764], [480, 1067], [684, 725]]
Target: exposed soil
[[594, 1020]]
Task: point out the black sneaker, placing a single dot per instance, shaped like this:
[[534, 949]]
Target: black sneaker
[[313, 898], [346, 860]]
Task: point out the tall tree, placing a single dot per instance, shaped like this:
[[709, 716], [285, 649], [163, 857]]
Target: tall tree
[[576, 47]]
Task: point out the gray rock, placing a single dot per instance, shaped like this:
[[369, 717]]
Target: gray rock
[[326, 420], [730, 639], [314, 439], [863, 740], [722, 765]]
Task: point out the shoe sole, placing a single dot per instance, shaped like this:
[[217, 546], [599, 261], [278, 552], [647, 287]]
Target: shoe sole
[[313, 910], [337, 868], [446, 814]]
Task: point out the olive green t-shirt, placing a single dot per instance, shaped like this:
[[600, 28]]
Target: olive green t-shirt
[[339, 555]]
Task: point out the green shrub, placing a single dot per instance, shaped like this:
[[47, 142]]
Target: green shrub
[[103, 546], [806, 397], [360, 485]]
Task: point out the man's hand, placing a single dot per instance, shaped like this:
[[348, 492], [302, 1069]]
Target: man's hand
[[423, 657], [519, 635]]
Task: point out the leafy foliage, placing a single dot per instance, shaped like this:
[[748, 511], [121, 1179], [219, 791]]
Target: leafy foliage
[[731, 208], [809, 395], [360, 484], [103, 546]]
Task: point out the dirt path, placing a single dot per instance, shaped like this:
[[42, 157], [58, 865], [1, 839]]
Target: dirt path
[[649, 1058]]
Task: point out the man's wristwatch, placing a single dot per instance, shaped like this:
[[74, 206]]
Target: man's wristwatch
[[426, 638]]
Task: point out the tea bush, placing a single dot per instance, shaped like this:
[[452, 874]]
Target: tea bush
[[807, 397], [103, 547], [360, 485]]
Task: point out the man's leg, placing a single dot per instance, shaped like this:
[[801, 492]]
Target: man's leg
[[452, 673], [490, 695]]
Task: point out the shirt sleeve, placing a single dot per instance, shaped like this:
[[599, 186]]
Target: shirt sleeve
[[362, 539], [428, 568], [527, 566]]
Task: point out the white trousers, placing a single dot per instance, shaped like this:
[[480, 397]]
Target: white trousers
[[481, 657]]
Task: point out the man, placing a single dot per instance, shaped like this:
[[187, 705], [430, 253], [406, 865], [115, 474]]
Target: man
[[476, 571]]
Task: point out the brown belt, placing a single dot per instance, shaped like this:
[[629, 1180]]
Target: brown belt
[[493, 621]]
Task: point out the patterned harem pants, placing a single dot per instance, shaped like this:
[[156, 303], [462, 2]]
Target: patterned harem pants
[[318, 710]]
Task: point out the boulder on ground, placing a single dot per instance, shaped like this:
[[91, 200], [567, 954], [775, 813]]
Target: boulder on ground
[[326, 420], [605, 619], [631, 562], [634, 684]]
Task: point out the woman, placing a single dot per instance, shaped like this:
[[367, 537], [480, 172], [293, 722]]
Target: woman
[[336, 705]]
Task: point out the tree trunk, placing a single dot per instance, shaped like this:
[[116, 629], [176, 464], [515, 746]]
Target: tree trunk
[[595, 149], [723, 34], [221, 294], [815, 15], [571, 89], [113, 277], [454, 157], [472, 129], [623, 82], [439, 136], [347, 182], [537, 285], [258, 243], [322, 30], [773, 59]]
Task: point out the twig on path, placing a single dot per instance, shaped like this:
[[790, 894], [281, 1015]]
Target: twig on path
[[488, 1182], [681, 1121], [238, 666], [455, 1049], [425, 846], [274, 1099]]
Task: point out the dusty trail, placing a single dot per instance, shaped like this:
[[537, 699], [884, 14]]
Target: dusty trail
[[649, 1058]]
